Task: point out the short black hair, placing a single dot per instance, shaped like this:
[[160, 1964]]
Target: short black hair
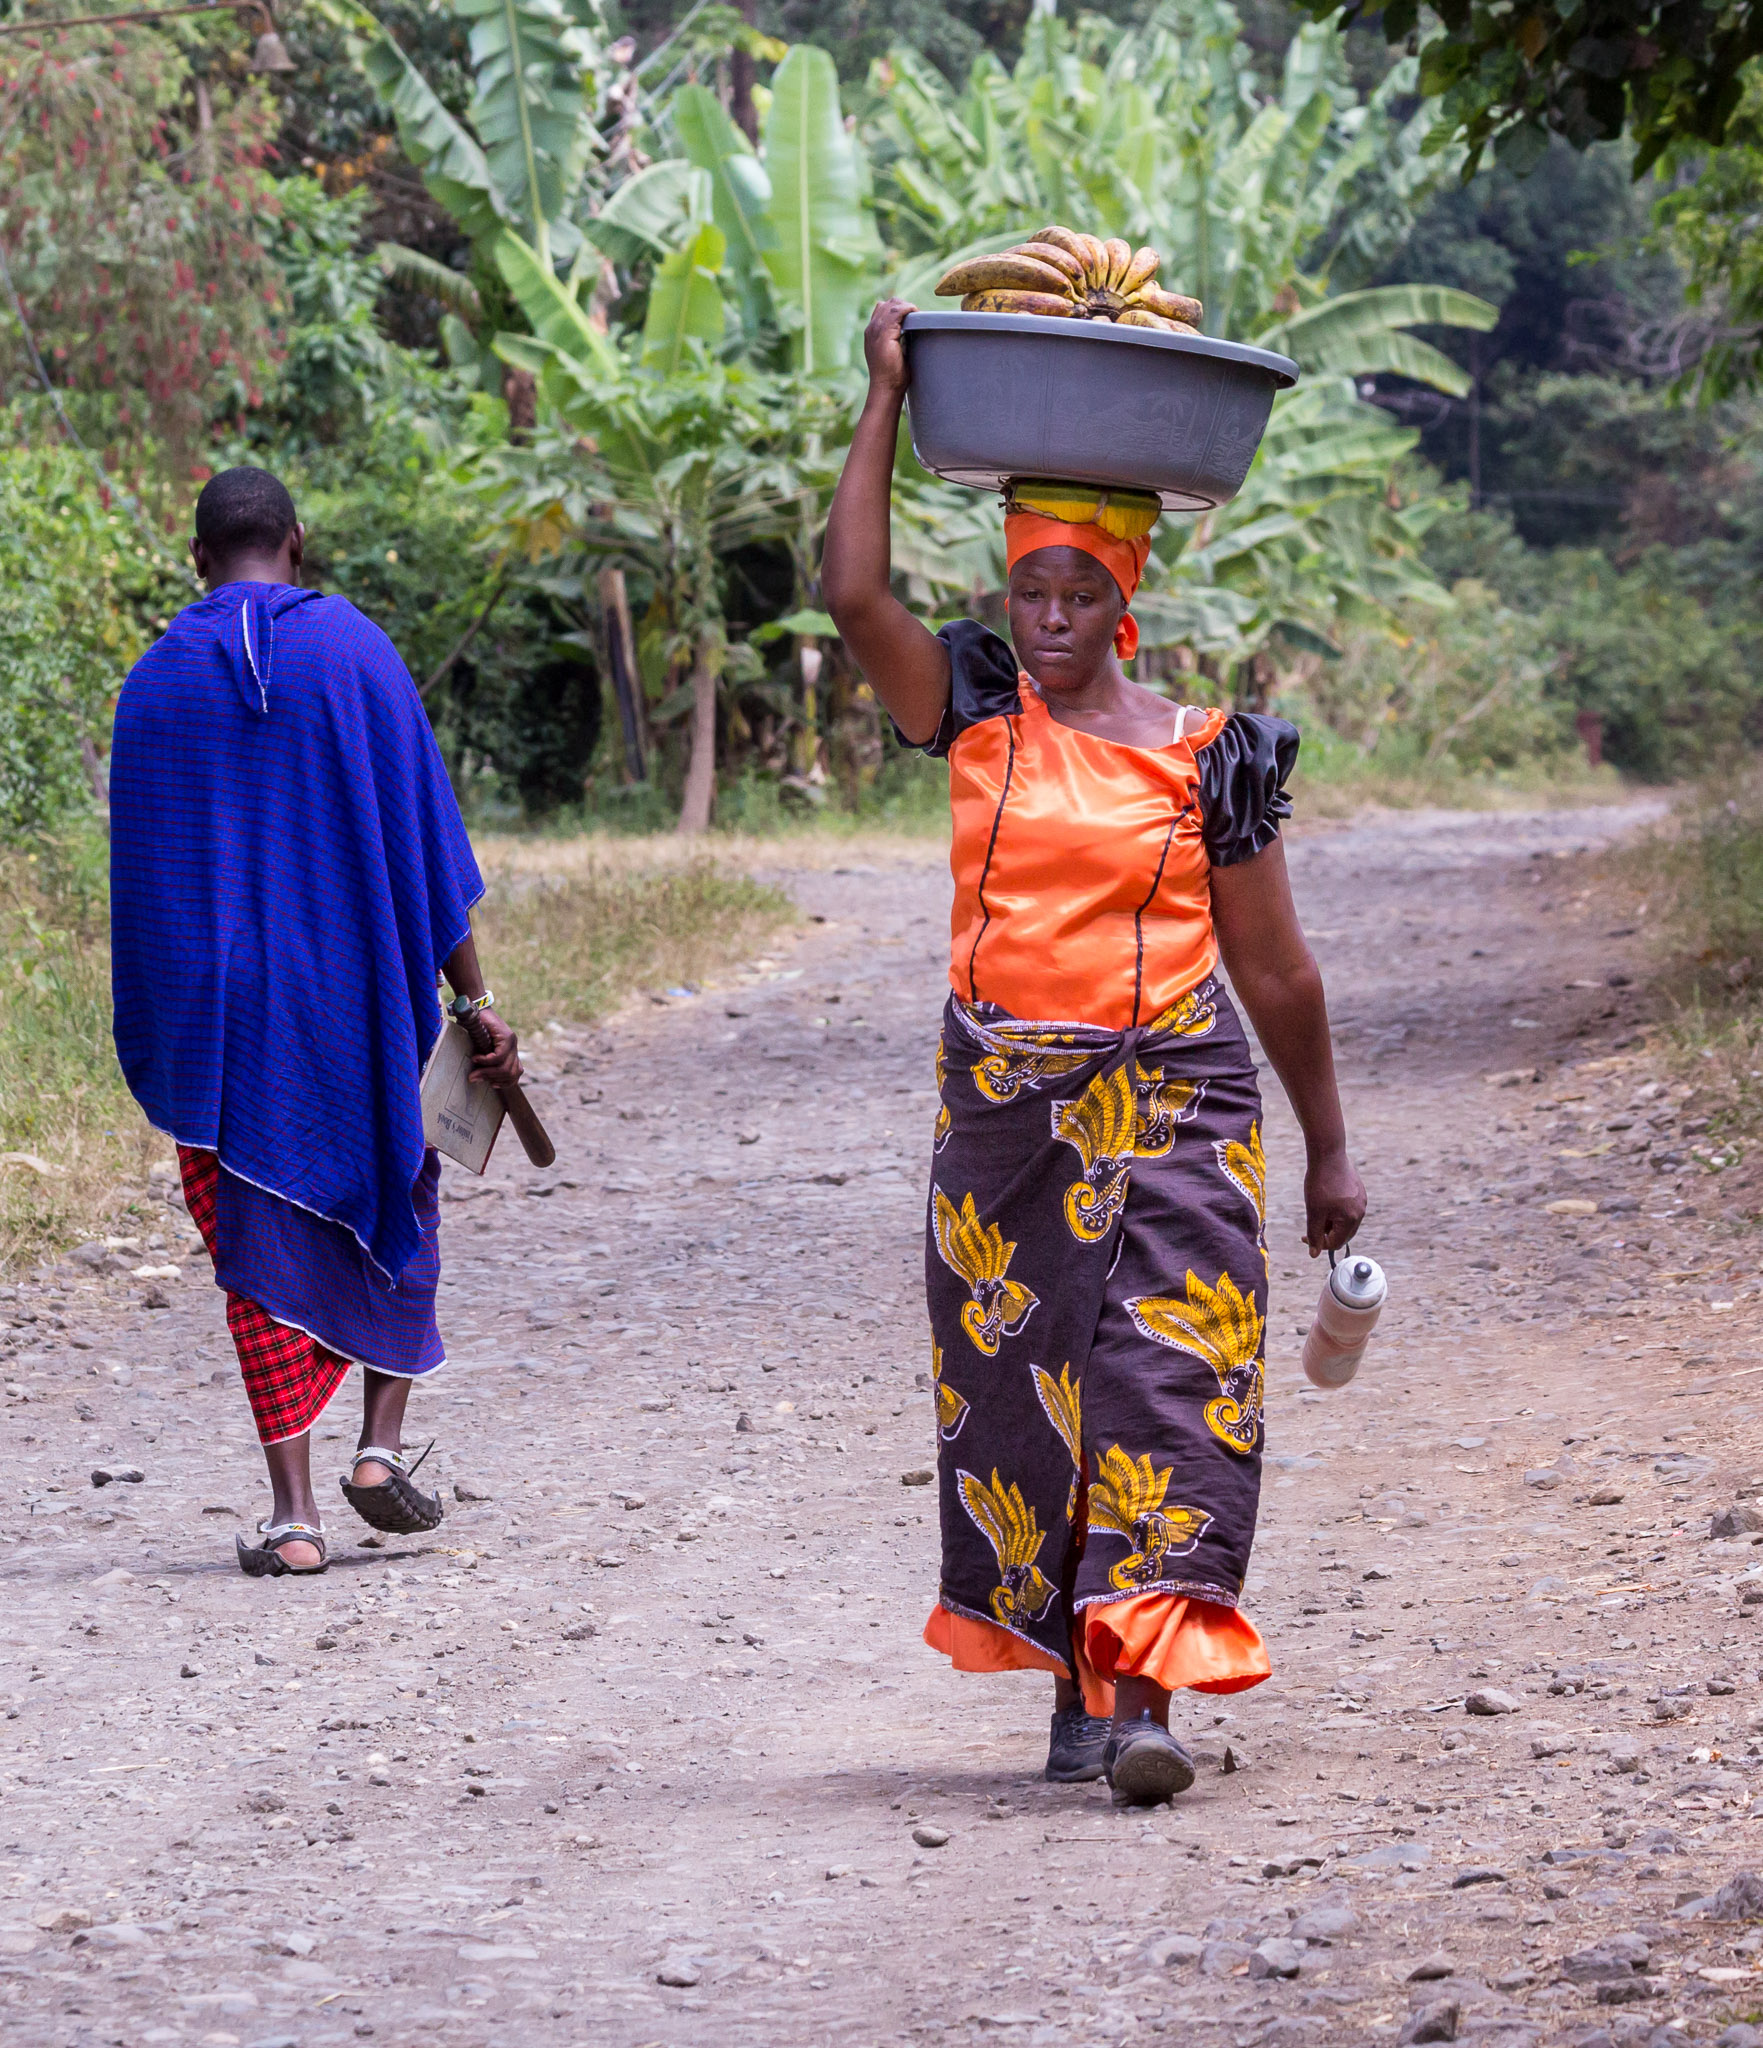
[[244, 511]]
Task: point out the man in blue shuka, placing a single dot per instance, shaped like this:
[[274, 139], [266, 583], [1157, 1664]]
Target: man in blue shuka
[[289, 876]]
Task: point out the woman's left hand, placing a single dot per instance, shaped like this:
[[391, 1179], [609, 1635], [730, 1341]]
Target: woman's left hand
[[1334, 1202]]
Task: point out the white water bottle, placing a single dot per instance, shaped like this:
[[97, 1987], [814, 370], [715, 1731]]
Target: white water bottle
[[1352, 1298]]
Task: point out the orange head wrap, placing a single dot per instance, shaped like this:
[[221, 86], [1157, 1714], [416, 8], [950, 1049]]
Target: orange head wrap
[[1124, 560]]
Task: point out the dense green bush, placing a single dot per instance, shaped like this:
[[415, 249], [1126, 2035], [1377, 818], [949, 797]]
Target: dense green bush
[[81, 591], [518, 713], [1465, 690], [1665, 650]]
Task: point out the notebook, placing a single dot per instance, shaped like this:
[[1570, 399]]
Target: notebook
[[460, 1116]]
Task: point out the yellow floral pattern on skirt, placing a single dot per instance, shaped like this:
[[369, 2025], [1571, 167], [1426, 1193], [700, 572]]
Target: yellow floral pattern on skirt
[[1055, 1326]]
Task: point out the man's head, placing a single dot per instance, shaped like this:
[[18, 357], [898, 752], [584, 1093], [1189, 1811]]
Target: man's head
[[247, 530]]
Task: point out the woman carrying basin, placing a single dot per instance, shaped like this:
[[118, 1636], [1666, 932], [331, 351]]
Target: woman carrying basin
[[1096, 1260]]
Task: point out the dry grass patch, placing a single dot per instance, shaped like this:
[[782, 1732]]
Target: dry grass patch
[[1695, 886], [569, 937], [568, 930]]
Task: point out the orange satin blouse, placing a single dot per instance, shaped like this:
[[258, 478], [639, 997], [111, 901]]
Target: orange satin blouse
[[1083, 866]]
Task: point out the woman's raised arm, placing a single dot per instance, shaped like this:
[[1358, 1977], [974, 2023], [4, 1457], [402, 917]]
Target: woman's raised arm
[[905, 663]]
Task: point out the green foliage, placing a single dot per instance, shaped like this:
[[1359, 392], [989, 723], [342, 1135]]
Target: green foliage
[[1666, 651], [1157, 134], [337, 362], [822, 244], [1466, 689], [1714, 226], [685, 303], [68, 1130], [1675, 691], [520, 154], [1666, 71], [80, 591], [1258, 207], [126, 220]]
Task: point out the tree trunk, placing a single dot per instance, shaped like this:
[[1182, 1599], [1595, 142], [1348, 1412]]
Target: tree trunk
[[621, 651], [204, 132], [741, 77], [520, 392], [700, 792]]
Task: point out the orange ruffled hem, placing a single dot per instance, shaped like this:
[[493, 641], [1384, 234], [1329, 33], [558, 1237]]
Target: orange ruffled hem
[[1174, 1641]]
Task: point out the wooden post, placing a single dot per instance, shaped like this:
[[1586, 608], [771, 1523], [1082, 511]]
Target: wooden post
[[621, 660], [700, 790]]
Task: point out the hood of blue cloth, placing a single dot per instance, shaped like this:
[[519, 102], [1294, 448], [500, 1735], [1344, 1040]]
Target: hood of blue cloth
[[243, 617], [288, 872]]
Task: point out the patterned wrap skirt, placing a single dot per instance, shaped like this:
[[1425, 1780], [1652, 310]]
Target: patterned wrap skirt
[[1096, 1270]]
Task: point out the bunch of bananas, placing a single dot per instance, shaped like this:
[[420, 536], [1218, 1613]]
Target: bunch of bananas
[[1127, 515], [1068, 276]]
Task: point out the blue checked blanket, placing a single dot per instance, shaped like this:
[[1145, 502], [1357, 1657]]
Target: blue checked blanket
[[288, 871]]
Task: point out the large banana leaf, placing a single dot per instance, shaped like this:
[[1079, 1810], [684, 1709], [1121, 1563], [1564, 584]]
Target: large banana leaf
[[551, 312], [826, 239], [685, 302], [659, 209], [531, 132], [532, 106], [423, 274], [1359, 333], [740, 190], [453, 167]]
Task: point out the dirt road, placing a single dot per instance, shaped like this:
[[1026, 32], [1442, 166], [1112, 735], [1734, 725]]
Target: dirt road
[[636, 1751]]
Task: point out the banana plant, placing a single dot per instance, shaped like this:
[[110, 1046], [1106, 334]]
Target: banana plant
[[1273, 210], [825, 244], [1158, 135], [660, 460], [531, 133]]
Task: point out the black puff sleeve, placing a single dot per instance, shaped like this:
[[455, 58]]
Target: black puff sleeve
[[1243, 775], [982, 683]]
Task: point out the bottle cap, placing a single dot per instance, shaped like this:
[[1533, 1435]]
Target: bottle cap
[[1358, 1281]]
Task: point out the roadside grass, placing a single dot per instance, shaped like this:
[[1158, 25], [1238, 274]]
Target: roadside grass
[[73, 1146], [565, 940], [1697, 886]]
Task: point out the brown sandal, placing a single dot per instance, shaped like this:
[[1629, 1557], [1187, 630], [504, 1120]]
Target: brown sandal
[[264, 1559], [394, 1506]]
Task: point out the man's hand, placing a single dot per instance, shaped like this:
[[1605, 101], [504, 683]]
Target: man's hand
[[1334, 1202], [883, 349], [498, 1053]]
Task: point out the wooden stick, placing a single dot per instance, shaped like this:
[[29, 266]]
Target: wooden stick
[[535, 1140]]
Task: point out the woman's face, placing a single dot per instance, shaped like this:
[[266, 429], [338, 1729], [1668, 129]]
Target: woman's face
[[1064, 607]]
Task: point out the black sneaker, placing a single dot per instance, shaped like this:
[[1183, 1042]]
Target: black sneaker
[[1144, 1764], [1074, 1751]]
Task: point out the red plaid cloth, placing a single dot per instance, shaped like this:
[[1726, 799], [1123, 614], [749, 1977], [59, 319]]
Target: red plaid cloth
[[289, 1376]]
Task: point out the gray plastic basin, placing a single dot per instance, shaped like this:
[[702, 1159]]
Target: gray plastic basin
[[999, 395]]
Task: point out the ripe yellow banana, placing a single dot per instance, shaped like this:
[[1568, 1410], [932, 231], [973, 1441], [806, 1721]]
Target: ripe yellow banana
[[1061, 259], [1125, 514], [1011, 271], [1171, 305], [1128, 515], [1140, 271], [1050, 305], [1061, 274], [1066, 239]]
